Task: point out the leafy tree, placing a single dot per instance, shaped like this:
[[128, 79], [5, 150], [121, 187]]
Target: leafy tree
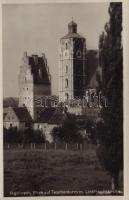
[[28, 135], [56, 134], [110, 125], [69, 131], [11, 135], [90, 129], [38, 136]]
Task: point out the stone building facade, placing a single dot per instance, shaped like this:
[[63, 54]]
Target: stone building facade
[[72, 59], [17, 117], [77, 75], [77, 65], [34, 80]]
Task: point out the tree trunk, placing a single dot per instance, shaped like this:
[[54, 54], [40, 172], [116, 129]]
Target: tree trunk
[[115, 181]]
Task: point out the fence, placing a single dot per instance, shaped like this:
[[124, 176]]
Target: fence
[[50, 146]]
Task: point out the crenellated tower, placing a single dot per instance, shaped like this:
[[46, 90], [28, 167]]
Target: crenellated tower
[[34, 81]]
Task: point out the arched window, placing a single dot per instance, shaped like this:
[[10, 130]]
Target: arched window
[[66, 45], [78, 54], [66, 82]]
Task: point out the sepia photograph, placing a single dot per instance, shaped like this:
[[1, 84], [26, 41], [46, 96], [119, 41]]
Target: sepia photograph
[[63, 99]]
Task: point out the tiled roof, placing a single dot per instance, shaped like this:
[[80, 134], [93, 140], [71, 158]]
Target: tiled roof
[[39, 109], [46, 115], [22, 114], [10, 101], [57, 118], [72, 35], [51, 115]]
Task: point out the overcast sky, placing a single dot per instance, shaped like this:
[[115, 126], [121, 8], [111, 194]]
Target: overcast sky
[[36, 28]]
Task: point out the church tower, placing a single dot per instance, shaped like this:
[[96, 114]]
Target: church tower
[[72, 59]]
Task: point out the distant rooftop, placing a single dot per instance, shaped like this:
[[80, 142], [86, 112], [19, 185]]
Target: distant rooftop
[[51, 115], [21, 112]]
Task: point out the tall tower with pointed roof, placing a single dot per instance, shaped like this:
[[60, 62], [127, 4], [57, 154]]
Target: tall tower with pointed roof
[[72, 58]]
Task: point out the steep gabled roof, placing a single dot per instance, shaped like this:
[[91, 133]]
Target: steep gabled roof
[[22, 114], [10, 101]]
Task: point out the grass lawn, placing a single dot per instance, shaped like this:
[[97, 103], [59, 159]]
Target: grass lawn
[[40, 172]]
